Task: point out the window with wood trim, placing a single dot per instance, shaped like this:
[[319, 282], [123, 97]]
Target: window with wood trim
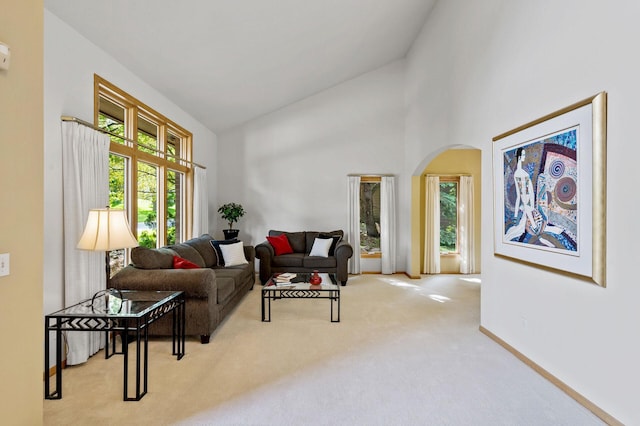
[[370, 216], [150, 173]]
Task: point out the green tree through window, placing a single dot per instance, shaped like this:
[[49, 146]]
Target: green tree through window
[[150, 170], [370, 216], [448, 217]]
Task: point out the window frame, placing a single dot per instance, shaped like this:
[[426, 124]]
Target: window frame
[[133, 108]]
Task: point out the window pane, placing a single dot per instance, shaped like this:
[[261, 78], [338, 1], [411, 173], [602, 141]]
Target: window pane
[[111, 118], [117, 197], [147, 135], [370, 217], [173, 147], [448, 217], [117, 183], [147, 205], [174, 207]]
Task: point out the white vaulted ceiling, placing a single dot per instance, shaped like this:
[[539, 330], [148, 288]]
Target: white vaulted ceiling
[[228, 61]]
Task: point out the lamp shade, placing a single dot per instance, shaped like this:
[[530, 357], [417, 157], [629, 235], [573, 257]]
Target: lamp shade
[[106, 230]]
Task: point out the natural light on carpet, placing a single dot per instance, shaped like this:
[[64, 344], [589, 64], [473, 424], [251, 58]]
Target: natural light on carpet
[[438, 298]]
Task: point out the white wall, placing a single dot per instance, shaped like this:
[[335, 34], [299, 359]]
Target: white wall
[[481, 68], [289, 168], [70, 63]]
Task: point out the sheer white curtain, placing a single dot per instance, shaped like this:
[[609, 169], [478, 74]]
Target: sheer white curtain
[[388, 224], [353, 224], [465, 228], [432, 226], [85, 164], [200, 202]]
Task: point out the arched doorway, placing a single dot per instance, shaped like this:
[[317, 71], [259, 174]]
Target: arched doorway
[[449, 161]]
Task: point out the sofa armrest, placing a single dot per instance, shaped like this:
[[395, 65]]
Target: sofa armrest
[[250, 253], [265, 253], [196, 283], [343, 251]]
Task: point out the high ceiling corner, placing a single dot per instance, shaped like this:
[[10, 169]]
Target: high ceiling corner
[[226, 62]]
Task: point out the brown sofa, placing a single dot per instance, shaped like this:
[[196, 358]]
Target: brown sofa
[[211, 291], [299, 260]]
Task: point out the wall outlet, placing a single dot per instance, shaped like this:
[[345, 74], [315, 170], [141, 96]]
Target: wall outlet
[[4, 264]]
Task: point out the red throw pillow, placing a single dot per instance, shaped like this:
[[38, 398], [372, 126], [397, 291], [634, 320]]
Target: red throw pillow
[[280, 244], [180, 263]]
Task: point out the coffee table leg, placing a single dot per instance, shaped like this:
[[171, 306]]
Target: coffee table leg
[[335, 298], [266, 307]]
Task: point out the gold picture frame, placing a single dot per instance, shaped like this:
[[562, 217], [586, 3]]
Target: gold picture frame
[[549, 180]]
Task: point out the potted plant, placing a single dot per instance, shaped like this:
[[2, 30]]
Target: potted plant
[[231, 212]]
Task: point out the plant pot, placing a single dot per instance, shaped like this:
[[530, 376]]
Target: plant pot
[[230, 234]]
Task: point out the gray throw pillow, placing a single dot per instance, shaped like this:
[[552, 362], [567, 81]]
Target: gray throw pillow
[[146, 258]]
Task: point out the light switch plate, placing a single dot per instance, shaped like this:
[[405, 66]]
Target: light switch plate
[[4, 264], [5, 56]]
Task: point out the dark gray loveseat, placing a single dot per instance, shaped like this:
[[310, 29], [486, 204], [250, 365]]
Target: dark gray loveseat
[[211, 291], [299, 260]]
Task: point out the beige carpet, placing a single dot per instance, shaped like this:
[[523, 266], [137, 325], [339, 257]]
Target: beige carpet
[[407, 352]]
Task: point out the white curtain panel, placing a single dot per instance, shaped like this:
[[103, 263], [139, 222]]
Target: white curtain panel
[[200, 202], [85, 162], [388, 224], [353, 223], [465, 218], [432, 226]]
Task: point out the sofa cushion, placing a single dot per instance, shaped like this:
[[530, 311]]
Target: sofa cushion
[[146, 258], [296, 240], [180, 263], [280, 244], [226, 287], [215, 244], [321, 247], [203, 246], [231, 278], [288, 260], [185, 251], [312, 235], [315, 262], [233, 254], [336, 239]]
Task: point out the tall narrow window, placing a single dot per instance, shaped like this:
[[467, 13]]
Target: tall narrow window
[[150, 167], [174, 207], [118, 172], [370, 216], [147, 205], [448, 215]]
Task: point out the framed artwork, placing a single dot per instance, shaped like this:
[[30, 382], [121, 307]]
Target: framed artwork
[[549, 191]]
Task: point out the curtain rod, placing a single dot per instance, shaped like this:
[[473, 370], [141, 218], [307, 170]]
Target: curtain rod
[[100, 129]]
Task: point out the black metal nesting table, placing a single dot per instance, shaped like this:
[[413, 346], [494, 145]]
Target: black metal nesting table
[[299, 288], [146, 307]]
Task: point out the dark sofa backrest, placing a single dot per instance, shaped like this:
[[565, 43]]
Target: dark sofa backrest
[[311, 237], [302, 242]]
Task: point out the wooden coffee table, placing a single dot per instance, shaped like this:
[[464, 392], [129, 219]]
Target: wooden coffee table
[[299, 288]]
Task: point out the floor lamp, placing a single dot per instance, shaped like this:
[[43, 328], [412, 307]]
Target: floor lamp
[[107, 229]]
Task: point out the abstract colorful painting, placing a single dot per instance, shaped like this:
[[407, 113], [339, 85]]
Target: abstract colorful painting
[[549, 190], [541, 193]]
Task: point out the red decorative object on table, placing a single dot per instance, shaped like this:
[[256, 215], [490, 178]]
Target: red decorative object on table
[[315, 279]]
